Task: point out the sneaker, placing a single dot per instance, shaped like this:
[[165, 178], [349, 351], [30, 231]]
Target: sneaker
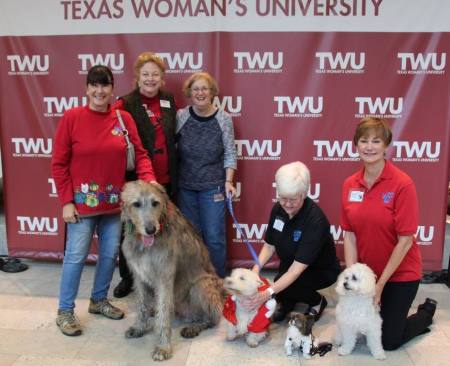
[[429, 306], [68, 323], [318, 314], [124, 287], [105, 308]]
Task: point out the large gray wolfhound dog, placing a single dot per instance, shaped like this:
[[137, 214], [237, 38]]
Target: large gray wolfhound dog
[[171, 267]]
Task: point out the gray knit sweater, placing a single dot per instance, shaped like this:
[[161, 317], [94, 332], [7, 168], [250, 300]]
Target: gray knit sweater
[[205, 149]]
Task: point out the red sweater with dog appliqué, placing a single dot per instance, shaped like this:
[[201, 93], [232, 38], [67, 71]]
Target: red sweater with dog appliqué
[[261, 321], [89, 159]]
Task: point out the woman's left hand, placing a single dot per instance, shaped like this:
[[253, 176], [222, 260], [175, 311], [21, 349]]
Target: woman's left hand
[[230, 189], [254, 302]]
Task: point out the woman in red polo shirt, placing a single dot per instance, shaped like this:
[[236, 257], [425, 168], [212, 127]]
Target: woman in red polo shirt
[[380, 217]]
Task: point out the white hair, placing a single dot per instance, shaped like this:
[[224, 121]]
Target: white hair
[[292, 179]]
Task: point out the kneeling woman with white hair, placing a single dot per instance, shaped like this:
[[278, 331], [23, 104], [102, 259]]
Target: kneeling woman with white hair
[[299, 232]]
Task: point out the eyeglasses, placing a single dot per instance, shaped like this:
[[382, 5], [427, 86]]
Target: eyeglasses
[[203, 89], [291, 201]]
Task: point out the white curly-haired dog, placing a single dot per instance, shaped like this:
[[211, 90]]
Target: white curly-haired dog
[[299, 334], [254, 325], [356, 312]]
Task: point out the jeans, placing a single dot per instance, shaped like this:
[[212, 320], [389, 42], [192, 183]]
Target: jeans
[[206, 211], [79, 237]]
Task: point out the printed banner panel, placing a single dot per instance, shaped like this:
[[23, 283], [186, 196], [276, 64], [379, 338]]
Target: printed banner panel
[[292, 96]]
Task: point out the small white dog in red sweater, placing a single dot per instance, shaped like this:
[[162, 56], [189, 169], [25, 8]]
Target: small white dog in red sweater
[[254, 325]]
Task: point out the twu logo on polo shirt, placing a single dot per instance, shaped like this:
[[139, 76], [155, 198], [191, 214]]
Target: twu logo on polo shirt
[[387, 197]]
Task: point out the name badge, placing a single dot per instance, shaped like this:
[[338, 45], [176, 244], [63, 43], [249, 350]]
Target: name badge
[[356, 196], [278, 225], [164, 103]]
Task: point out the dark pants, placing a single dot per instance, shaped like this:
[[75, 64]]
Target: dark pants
[[398, 328], [124, 271], [304, 288]]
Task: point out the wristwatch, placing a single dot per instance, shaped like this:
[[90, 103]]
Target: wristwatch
[[271, 292]]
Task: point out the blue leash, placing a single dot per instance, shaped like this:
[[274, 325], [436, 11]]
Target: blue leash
[[238, 227]]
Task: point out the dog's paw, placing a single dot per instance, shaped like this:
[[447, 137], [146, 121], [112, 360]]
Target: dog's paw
[[254, 339], [307, 356], [133, 332], [252, 343], [162, 353], [379, 355], [190, 332], [343, 351]]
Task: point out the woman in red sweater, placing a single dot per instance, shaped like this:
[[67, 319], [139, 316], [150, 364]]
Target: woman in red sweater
[[88, 165]]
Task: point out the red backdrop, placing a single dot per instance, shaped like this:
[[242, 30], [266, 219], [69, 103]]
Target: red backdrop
[[292, 95]]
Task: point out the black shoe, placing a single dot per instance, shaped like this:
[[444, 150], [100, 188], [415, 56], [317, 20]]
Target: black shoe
[[429, 306], [12, 265], [123, 288], [318, 314], [281, 312]]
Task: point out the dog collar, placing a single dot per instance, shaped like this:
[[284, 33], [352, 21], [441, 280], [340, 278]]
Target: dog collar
[[129, 227]]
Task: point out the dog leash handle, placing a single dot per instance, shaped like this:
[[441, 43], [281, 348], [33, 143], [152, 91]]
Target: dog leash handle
[[238, 227], [322, 349]]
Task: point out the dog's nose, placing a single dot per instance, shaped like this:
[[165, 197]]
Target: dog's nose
[[346, 286], [150, 230]]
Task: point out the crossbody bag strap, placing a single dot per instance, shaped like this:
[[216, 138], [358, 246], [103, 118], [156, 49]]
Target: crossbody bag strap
[[124, 130]]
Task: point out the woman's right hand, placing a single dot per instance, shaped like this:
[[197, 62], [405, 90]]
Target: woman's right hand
[[70, 213]]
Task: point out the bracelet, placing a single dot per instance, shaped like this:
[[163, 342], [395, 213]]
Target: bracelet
[[229, 181]]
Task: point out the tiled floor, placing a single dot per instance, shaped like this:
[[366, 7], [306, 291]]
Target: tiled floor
[[29, 336]]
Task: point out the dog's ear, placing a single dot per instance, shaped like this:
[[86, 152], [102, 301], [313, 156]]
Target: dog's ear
[[126, 197], [308, 324], [159, 188], [340, 284]]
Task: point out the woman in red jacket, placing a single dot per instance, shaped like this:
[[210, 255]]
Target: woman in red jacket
[[380, 215], [88, 165]]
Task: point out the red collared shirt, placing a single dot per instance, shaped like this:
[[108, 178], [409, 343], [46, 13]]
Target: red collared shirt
[[377, 216]]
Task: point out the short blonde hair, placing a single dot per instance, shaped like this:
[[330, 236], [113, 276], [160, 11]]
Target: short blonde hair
[[378, 126], [144, 58], [292, 179], [212, 83]]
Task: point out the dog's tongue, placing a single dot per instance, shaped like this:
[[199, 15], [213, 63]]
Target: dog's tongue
[[148, 240]]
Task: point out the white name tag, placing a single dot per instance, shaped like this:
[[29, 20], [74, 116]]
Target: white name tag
[[278, 225], [164, 103], [356, 196]]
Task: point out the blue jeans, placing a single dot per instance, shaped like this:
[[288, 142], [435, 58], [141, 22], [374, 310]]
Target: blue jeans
[[206, 211], [79, 237]]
